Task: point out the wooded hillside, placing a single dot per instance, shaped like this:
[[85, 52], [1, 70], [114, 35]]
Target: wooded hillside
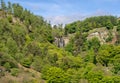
[[28, 53]]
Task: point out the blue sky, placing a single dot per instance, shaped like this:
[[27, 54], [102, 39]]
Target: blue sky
[[66, 11]]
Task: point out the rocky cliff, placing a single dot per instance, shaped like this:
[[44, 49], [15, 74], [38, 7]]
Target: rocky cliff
[[104, 35]]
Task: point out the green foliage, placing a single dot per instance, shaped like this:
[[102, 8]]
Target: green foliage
[[69, 47], [78, 43], [50, 38], [93, 76], [18, 56], [14, 72], [116, 63], [3, 5], [109, 54], [113, 79], [33, 48], [71, 28], [104, 54], [116, 79], [118, 28], [53, 59], [89, 56], [91, 23], [118, 34], [28, 40], [11, 43], [116, 68], [94, 43], [70, 62], [58, 31], [109, 25], [76, 75], [7, 61], [110, 37], [18, 34], [37, 64], [56, 75], [26, 62], [9, 7], [17, 10], [7, 66], [10, 19]]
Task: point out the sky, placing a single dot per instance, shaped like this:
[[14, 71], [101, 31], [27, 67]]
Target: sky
[[67, 11]]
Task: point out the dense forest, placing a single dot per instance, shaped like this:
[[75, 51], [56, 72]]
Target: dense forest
[[29, 53]]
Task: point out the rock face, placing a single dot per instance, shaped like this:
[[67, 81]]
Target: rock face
[[61, 41], [102, 34], [66, 40], [118, 39]]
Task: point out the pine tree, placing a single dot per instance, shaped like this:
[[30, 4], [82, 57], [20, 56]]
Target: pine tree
[[17, 10], [3, 5], [9, 7]]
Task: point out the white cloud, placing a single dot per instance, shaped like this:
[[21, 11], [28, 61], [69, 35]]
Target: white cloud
[[75, 17], [64, 19], [55, 11]]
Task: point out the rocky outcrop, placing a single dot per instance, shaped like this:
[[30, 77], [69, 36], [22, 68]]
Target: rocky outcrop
[[61, 41], [66, 40], [118, 38], [102, 34]]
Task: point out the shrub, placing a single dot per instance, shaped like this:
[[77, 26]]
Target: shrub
[[14, 72], [56, 75], [10, 19], [110, 37], [26, 62], [7, 66]]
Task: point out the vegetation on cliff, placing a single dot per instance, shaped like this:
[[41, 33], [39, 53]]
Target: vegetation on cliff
[[28, 53]]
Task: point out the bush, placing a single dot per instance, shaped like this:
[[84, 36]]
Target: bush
[[26, 62], [56, 75], [2, 74], [69, 47], [14, 72], [110, 37], [10, 19], [93, 76], [7, 66], [37, 63]]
